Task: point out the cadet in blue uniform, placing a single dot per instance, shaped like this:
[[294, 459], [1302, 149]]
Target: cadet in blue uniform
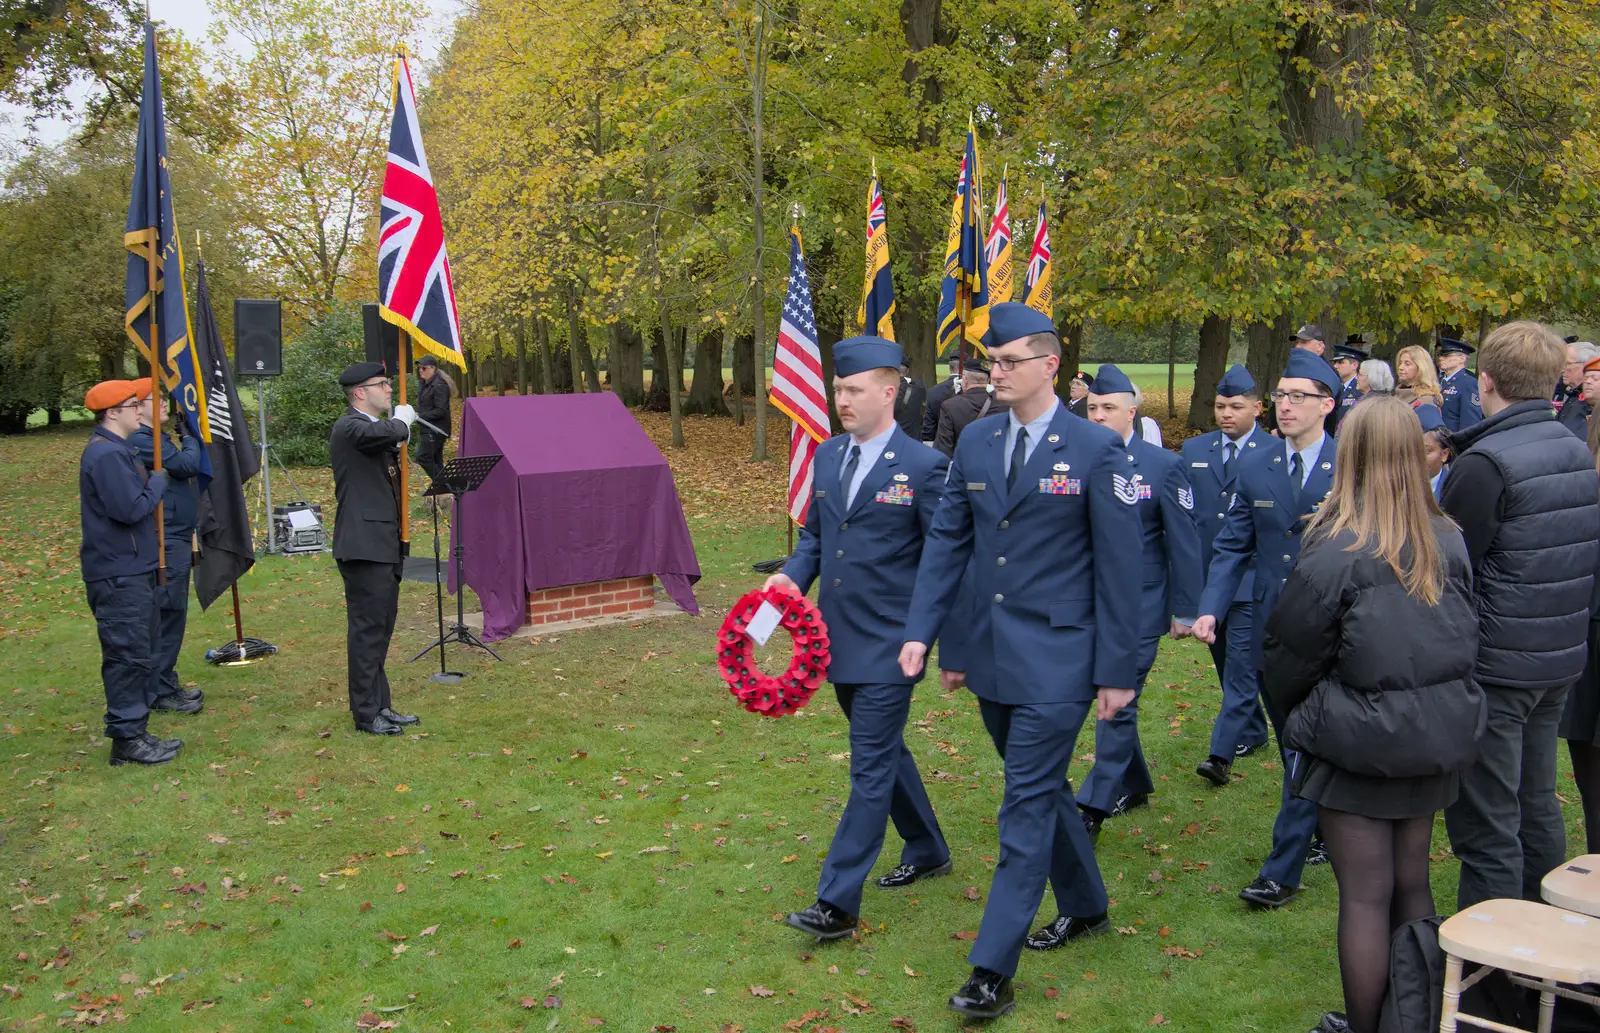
[[1346, 361], [1435, 447], [875, 491], [117, 503], [1275, 490], [1032, 498], [182, 502], [1162, 497], [1212, 461], [1460, 388]]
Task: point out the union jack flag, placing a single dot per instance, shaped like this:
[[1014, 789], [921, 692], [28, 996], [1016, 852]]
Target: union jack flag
[[415, 291], [797, 388], [1037, 292]]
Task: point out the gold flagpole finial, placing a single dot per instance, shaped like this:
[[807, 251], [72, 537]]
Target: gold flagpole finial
[[874, 166]]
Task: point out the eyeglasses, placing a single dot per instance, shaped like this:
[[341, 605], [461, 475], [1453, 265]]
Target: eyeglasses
[[377, 383], [1296, 397], [1010, 364]]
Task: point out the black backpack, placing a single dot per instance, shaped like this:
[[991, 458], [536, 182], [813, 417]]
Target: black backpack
[[1416, 979]]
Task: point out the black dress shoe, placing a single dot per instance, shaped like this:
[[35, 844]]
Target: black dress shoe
[[985, 995], [1245, 751], [399, 719], [139, 751], [1064, 930], [165, 744], [1215, 770], [1317, 853], [1266, 893], [379, 725], [1130, 802], [1333, 1022], [177, 704], [906, 874], [824, 921], [1093, 818]]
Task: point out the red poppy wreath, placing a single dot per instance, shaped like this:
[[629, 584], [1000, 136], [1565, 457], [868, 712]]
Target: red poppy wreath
[[808, 667]]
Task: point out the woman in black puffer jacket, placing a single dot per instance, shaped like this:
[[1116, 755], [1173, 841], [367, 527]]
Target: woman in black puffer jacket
[[1370, 653]]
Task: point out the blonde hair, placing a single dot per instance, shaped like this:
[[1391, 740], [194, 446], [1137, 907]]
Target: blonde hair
[[1426, 383], [1382, 496], [1523, 359]]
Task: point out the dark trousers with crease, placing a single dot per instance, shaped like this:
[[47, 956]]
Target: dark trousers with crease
[[1240, 720], [884, 786], [1041, 835], [125, 617], [172, 600], [372, 600], [1119, 768], [1296, 823]]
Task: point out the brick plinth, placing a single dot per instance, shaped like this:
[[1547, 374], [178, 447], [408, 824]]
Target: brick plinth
[[596, 599]]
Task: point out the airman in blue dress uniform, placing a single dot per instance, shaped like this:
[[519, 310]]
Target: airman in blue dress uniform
[[1276, 489], [874, 495], [1460, 388], [1213, 461], [1346, 361], [1032, 497], [1163, 498]]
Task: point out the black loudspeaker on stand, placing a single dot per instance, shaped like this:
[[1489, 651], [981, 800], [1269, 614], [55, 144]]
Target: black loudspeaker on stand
[[381, 341], [257, 337], [460, 475]]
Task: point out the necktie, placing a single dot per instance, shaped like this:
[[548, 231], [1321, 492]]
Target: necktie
[[1297, 470], [1019, 458], [850, 473], [1227, 462]]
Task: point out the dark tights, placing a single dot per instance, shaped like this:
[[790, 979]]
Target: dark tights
[[1586, 772], [1382, 870]]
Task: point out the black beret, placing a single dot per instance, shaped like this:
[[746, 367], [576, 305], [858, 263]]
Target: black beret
[[360, 373]]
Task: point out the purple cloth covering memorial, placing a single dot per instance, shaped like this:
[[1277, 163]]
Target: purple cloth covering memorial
[[582, 495]]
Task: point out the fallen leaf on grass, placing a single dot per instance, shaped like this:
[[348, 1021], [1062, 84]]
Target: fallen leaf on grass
[[399, 887], [913, 973], [515, 944], [971, 893], [1181, 952], [1051, 993], [1159, 1019], [760, 991], [366, 905], [790, 858], [429, 931], [1127, 930], [662, 1027], [963, 934], [595, 1022], [728, 1027], [901, 1022], [657, 849], [529, 1002], [370, 1020], [1164, 932], [551, 1002]]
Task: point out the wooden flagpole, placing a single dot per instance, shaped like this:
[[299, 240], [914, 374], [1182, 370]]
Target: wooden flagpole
[[154, 356], [405, 458]]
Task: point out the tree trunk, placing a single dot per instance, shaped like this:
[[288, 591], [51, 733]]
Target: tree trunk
[[547, 372], [52, 417], [758, 304], [522, 355], [675, 345], [472, 375], [657, 398], [731, 344], [627, 363], [1269, 350], [1072, 340], [705, 391], [577, 340], [829, 334], [1211, 362], [745, 345]]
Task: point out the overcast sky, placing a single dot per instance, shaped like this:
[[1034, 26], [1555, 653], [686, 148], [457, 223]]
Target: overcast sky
[[193, 17]]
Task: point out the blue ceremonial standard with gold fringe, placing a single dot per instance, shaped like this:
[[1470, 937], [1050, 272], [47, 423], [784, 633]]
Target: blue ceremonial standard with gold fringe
[[151, 235]]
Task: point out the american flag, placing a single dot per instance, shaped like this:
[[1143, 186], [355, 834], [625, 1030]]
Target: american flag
[[414, 288], [797, 388]]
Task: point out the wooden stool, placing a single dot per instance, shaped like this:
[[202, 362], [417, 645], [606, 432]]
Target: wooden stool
[[1575, 885], [1535, 945]]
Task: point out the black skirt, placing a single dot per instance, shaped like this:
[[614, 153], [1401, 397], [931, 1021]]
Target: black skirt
[[1581, 721], [1388, 799]]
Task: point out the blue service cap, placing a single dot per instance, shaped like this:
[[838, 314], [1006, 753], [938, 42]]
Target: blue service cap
[[1237, 381], [1303, 365], [1430, 416], [1450, 344], [1353, 348], [1011, 320], [1109, 380], [858, 354]]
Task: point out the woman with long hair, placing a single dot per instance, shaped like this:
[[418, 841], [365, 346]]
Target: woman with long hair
[[1370, 652], [1413, 368], [1580, 724]]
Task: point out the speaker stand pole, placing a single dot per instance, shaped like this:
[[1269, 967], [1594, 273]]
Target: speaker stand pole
[[443, 676], [462, 633], [266, 466]]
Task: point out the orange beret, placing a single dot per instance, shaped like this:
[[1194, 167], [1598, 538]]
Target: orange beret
[[141, 387], [109, 393], [1592, 364]]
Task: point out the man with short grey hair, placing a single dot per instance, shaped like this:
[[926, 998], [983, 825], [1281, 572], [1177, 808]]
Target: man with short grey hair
[[1572, 408]]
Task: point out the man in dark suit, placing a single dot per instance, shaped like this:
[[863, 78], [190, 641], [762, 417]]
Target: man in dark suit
[[909, 402], [1163, 501], [365, 451], [976, 400], [1347, 360], [1276, 489], [1031, 498], [1213, 460], [433, 405], [875, 491], [938, 394]]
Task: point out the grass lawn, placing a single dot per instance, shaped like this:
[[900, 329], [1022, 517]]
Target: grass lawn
[[589, 835]]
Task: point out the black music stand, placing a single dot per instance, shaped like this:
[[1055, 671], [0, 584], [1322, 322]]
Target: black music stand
[[460, 475]]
